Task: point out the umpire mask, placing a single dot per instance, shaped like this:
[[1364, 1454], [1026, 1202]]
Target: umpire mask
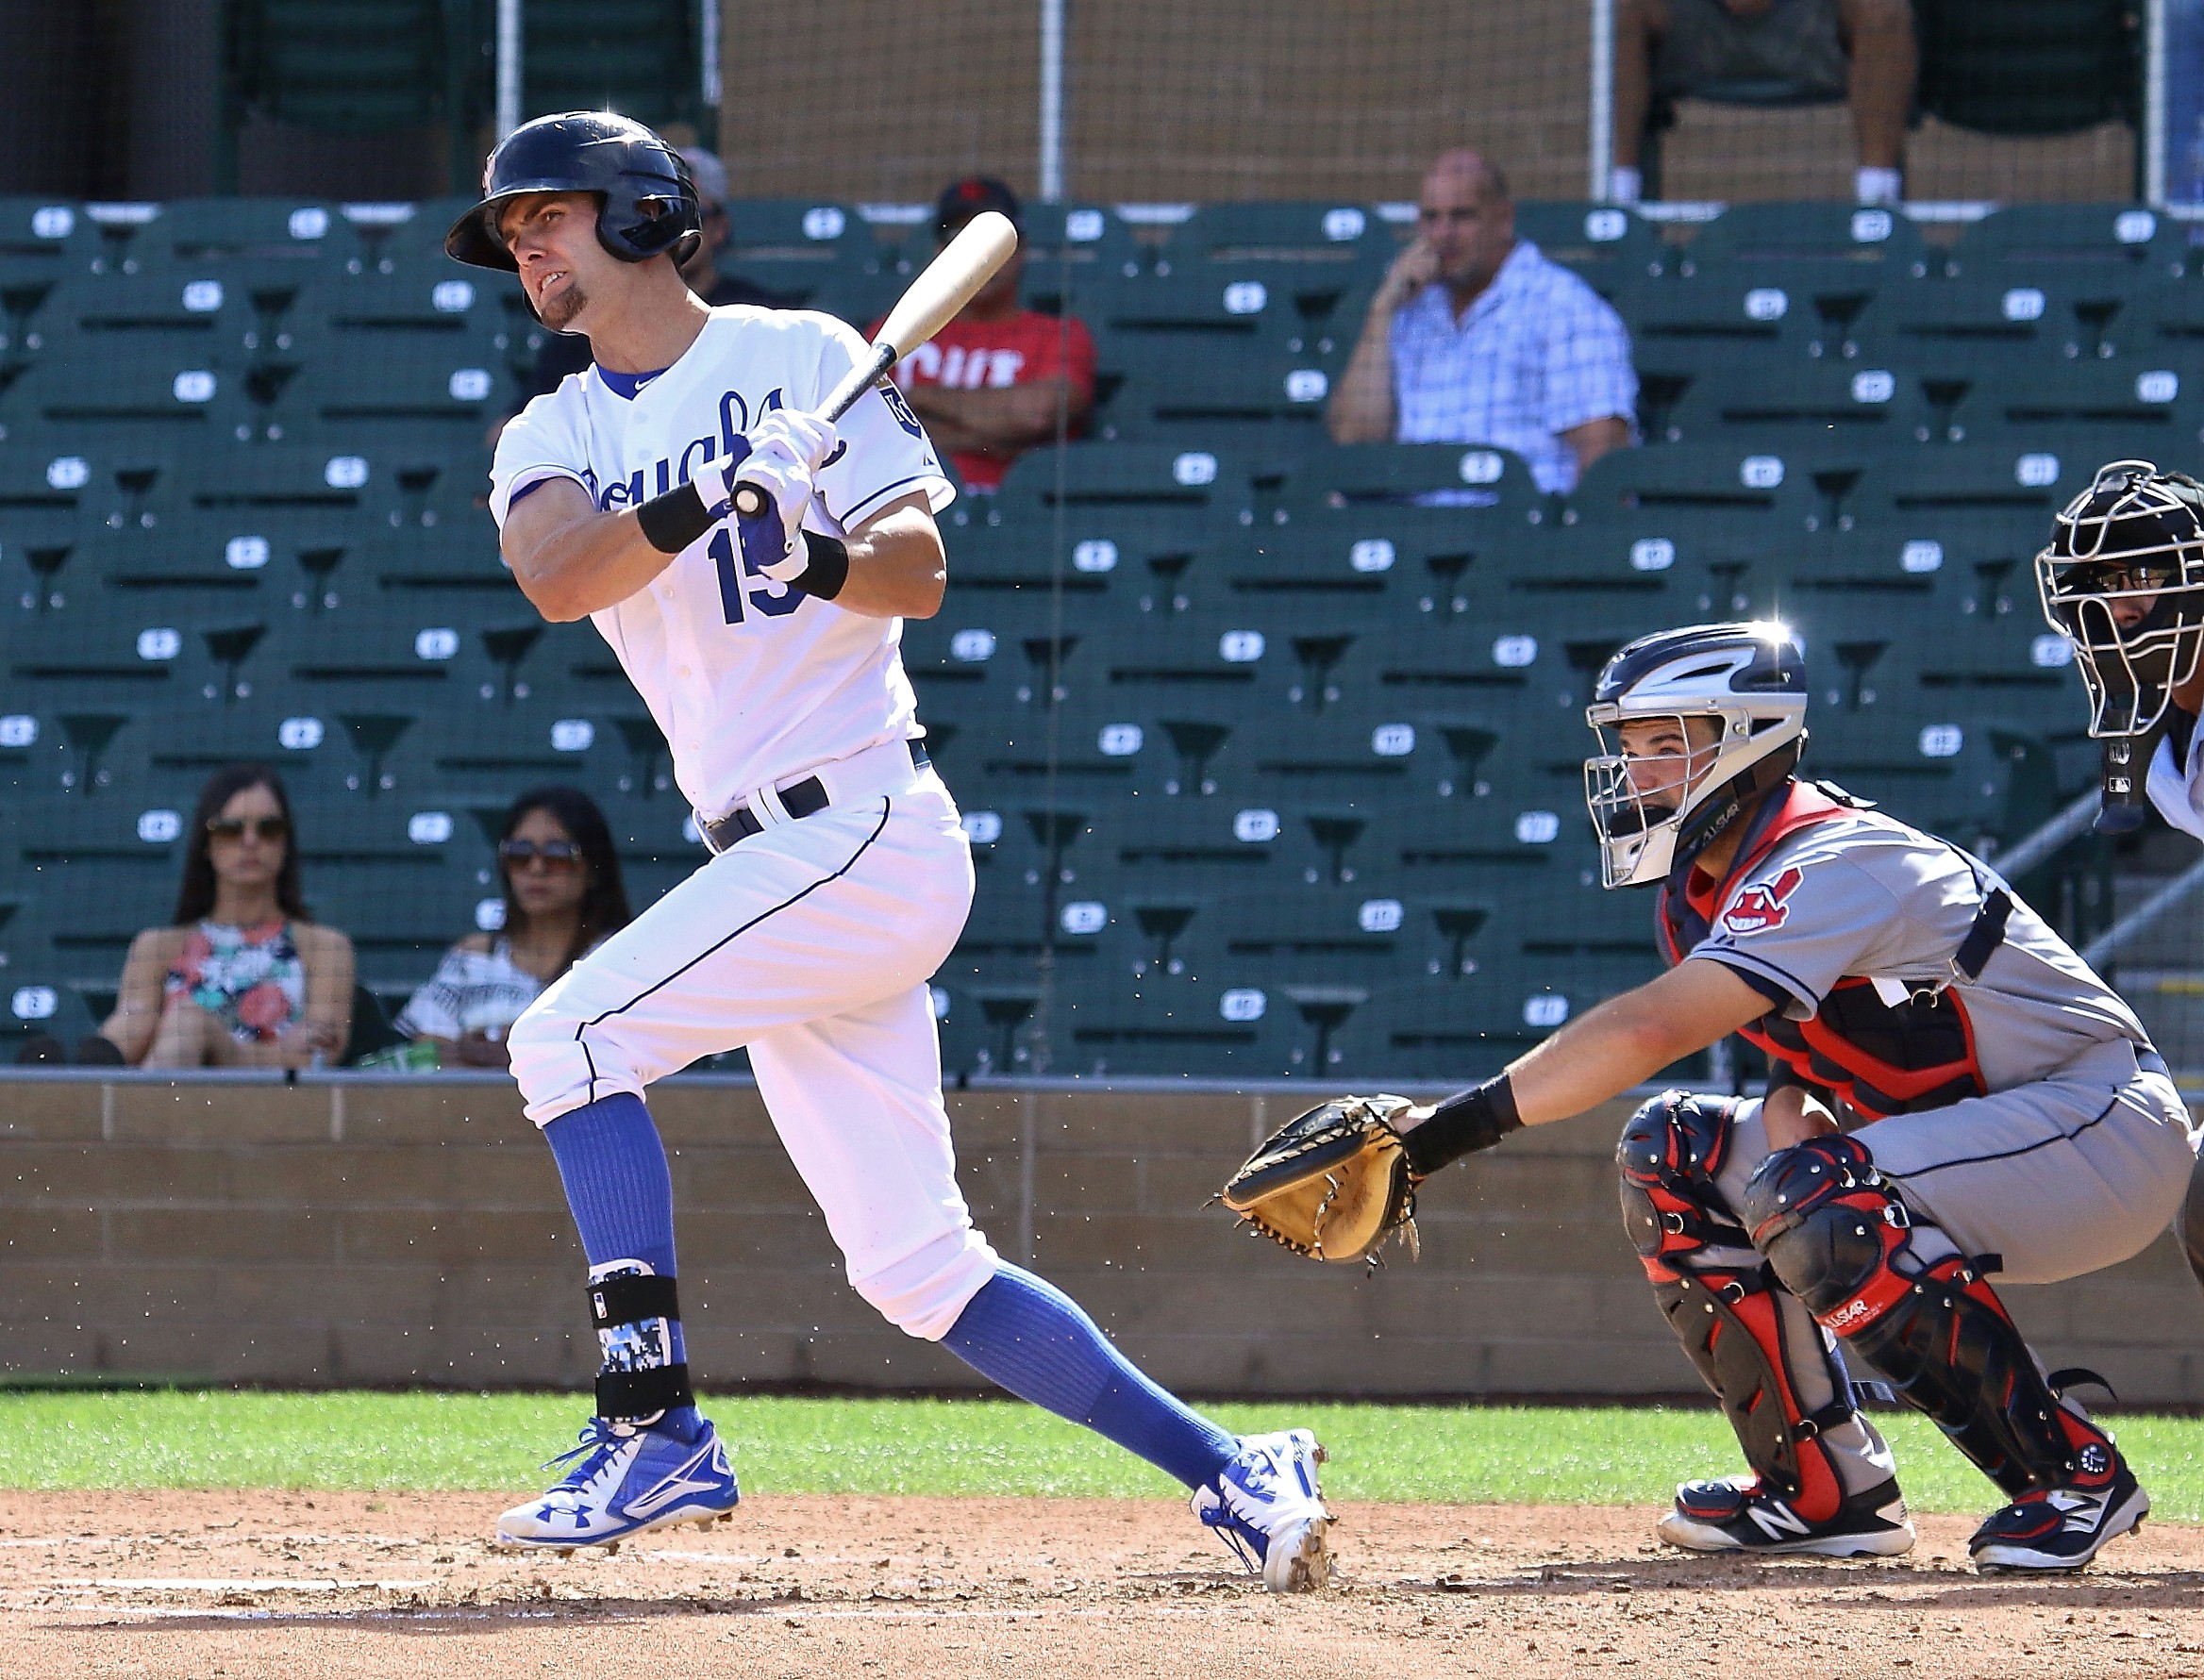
[[2123, 581]]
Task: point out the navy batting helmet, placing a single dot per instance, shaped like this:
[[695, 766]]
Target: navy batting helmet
[[646, 203]]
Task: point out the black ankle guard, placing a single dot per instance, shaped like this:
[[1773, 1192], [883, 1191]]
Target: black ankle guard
[[633, 1299], [643, 1393], [636, 1299]]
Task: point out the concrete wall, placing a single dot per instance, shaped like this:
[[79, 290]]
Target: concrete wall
[[348, 1231]]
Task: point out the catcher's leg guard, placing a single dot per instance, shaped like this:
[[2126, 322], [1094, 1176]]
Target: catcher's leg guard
[[1716, 1293], [1839, 1240]]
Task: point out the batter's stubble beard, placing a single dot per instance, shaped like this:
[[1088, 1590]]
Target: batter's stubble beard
[[557, 311]]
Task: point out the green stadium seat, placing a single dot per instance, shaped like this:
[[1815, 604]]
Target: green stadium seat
[[1161, 1026], [2097, 409], [1811, 401], [45, 237], [1610, 248], [2067, 244], [795, 245], [1453, 476], [282, 239], [1881, 245], [1134, 553], [1238, 397], [1192, 484], [1738, 315], [1277, 233], [1963, 322]]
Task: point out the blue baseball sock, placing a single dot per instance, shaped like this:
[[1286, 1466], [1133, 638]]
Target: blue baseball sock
[[622, 1192], [1036, 1341]]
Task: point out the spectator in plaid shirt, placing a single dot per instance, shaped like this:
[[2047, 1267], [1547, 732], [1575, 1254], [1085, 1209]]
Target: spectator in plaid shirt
[[1475, 338]]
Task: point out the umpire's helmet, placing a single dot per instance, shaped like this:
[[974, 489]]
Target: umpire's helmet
[[1656, 805], [646, 201], [2123, 580]]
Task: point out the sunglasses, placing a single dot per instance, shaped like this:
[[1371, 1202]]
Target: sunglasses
[[555, 854], [233, 828]]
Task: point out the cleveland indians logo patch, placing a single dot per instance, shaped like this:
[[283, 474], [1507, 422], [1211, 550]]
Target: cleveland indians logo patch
[[1763, 905]]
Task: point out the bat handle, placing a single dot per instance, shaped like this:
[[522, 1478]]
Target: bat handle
[[748, 498], [2125, 804]]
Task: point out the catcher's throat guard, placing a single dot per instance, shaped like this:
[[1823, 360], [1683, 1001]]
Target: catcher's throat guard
[[1333, 1184], [2122, 579]]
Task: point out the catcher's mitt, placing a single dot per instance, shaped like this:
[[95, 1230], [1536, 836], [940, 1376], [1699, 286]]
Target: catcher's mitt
[[1332, 1184]]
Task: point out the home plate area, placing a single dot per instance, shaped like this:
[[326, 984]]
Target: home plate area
[[302, 1586]]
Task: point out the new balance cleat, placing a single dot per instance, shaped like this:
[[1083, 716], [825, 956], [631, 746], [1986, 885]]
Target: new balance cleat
[[2062, 1528], [626, 1480], [1735, 1514], [1267, 1505]]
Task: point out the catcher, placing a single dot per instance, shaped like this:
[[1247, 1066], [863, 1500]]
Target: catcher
[[2123, 580], [1956, 1097]]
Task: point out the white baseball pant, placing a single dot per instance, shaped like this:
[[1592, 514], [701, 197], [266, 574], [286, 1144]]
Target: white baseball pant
[[810, 943]]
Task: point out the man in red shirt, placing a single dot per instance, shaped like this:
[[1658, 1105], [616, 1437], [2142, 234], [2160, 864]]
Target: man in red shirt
[[998, 380]]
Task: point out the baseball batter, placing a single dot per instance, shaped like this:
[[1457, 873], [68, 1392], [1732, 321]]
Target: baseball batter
[[1956, 1099], [766, 648]]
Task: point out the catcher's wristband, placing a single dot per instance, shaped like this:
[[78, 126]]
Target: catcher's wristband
[[1475, 1119]]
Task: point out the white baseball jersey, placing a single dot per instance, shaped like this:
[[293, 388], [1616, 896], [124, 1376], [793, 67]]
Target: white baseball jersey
[[2176, 780], [752, 683]]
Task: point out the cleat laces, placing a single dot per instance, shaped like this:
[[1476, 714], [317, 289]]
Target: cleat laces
[[600, 1440]]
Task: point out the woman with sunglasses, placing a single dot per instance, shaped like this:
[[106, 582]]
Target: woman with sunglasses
[[562, 894], [244, 978]]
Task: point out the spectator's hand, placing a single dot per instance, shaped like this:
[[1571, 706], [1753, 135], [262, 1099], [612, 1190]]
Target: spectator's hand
[[1412, 270], [310, 1038], [479, 1050]]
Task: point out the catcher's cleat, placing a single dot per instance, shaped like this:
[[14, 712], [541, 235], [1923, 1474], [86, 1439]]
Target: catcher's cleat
[[1735, 1514], [2062, 1528], [1268, 1507], [626, 1480]]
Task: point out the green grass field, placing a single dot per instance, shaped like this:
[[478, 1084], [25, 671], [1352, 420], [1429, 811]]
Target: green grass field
[[188, 1439]]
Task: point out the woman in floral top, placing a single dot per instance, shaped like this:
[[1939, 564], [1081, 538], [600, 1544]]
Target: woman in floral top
[[246, 978]]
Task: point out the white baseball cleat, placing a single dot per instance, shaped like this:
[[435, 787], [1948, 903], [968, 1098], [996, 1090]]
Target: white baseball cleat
[[625, 1481], [1267, 1505]]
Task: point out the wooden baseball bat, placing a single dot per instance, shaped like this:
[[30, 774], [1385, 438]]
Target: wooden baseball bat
[[947, 283]]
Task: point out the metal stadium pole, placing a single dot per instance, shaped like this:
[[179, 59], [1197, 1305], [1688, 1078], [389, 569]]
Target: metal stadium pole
[[1601, 104], [1051, 100], [508, 66]]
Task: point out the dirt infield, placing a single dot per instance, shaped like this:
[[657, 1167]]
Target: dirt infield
[[350, 1585]]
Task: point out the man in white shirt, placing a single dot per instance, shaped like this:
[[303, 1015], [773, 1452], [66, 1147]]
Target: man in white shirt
[[767, 650], [1476, 338]]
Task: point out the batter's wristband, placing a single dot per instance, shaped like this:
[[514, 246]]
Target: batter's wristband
[[671, 521], [827, 569], [1476, 1119]]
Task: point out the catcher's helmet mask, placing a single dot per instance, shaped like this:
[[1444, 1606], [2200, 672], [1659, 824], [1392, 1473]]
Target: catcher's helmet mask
[[646, 201], [1749, 681], [2131, 546]]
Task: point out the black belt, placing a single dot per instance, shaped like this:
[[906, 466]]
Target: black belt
[[806, 798]]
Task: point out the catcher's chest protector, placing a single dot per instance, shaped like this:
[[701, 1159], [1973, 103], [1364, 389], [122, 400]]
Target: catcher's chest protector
[[1878, 1058]]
